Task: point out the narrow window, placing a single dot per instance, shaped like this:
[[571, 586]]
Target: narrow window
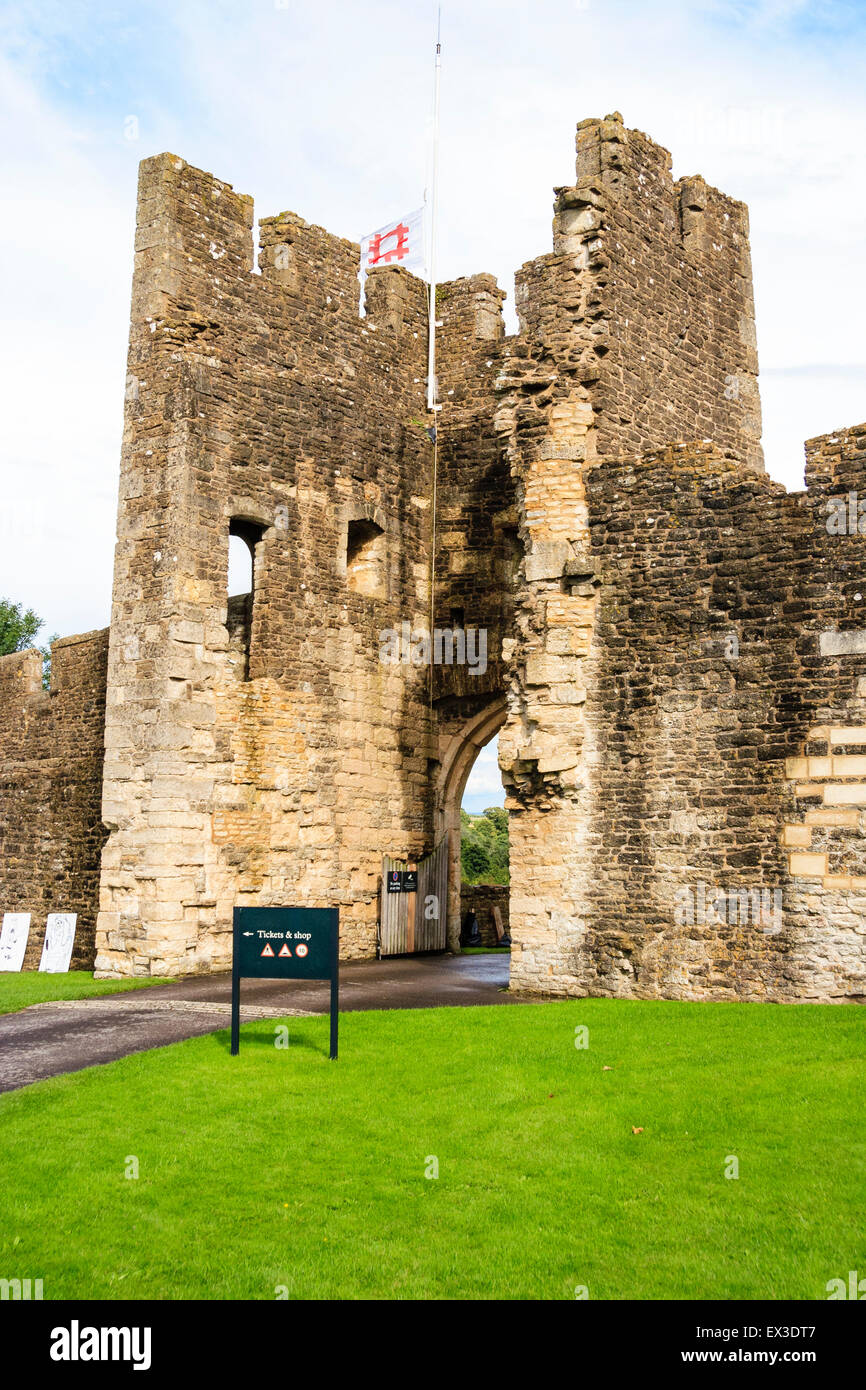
[[365, 558], [244, 540], [510, 555]]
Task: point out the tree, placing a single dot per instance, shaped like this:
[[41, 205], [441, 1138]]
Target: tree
[[499, 816], [17, 628], [46, 660], [484, 846], [476, 863]]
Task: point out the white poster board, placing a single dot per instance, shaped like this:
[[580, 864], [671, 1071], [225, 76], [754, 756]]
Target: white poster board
[[13, 939], [57, 946]]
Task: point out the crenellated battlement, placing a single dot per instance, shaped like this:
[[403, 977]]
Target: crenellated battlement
[[646, 301]]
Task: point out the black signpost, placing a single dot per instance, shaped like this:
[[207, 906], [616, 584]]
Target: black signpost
[[286, 943]]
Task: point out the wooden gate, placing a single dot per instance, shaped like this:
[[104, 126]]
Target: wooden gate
[[413, 922]]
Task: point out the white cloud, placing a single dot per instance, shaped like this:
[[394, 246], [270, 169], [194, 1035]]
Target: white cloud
[[484, 785], [66, 246]]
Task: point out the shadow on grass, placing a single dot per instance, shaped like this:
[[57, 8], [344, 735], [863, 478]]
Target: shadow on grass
[[265, 1040]]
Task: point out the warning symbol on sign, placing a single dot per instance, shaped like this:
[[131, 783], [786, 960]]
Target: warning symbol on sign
[[284, 950], [268, 951]]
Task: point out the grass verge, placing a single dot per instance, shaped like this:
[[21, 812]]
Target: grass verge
[[17, 991], [279, 1168]]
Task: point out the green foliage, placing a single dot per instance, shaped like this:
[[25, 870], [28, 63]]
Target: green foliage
[[484, 846], [426, 427], [18, 628], [46, 661], [475, 861], [498, 817], [280, 1168]]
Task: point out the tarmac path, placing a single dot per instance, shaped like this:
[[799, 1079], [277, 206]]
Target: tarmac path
[[64, 1036]]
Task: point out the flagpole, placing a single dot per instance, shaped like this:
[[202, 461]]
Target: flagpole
[[434, 208], [432, 403]]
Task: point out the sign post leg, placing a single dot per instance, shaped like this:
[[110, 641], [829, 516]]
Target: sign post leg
[[236, 989], [335, 1013], [335, 988]]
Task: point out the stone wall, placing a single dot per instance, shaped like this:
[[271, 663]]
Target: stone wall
[[708, 840], [478, 549], [638, 328], [51, 755], [263, 401], [481, 898]]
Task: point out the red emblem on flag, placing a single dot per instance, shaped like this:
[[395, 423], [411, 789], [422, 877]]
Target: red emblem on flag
[[389, 246]]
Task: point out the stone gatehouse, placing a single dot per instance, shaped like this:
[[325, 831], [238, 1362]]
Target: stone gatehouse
[[676, 646]]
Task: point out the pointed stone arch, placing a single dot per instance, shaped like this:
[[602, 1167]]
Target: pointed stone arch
[[458, 757]]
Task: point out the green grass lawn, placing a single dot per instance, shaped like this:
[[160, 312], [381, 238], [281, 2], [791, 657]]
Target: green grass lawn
[[279, 1167], [37, 986]]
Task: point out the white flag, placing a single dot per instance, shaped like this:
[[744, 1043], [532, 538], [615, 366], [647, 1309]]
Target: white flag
[[398, 243]]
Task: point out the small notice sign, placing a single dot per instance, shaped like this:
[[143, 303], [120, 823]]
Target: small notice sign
[[58, 943], [403, 881], [286, 943], [13, 939]]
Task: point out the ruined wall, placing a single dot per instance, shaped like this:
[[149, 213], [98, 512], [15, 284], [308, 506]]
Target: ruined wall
[[677, 314], [724, 721], [282, 776], [478, 549], [481, 898], [51, 754], [636, 329], [643, 314]]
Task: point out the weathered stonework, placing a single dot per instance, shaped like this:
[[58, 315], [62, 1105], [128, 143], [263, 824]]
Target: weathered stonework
[[481, 898], [261, 400], [708, 707], [51, 832], [676, 649]]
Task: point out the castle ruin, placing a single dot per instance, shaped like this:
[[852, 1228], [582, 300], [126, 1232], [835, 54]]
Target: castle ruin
[[676, 646]]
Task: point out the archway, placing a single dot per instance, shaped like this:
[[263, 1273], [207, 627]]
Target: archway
[[456, 764]]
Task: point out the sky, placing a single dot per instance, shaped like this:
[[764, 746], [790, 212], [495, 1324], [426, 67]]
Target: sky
[[325, 109], [484, 785]]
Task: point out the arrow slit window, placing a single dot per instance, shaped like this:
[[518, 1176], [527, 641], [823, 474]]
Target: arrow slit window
[[245, 563]]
